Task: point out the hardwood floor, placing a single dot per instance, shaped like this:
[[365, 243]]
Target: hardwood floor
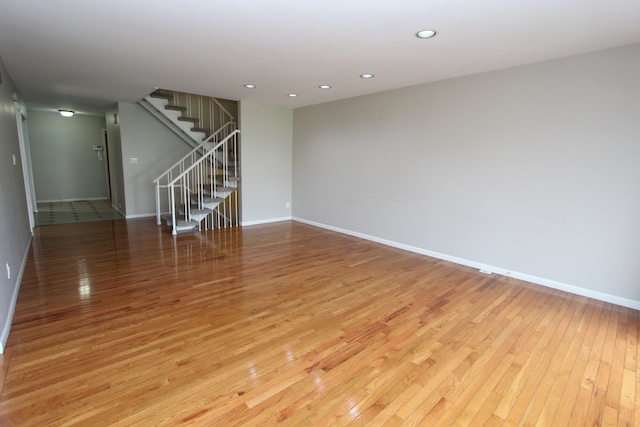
[[120, 324]]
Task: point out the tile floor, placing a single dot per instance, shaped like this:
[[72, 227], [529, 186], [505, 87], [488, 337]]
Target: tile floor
[[76, 211]]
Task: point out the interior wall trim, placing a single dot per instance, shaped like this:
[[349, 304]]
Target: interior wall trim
[[14, 299], [265, 221], [485, 268]]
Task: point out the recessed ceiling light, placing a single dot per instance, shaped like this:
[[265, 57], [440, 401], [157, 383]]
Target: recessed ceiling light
[[324, 87], [66, 113], [426, 34], [292, 95], [366, 76], [250, 86]]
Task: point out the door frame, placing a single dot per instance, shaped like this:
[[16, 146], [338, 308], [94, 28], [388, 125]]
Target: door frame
[[107, 169], [27, 169]]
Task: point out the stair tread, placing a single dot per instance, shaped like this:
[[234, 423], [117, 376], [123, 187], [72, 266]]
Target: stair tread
[[201, 211], [207, 194], [175, 108], [220, 169], [161, 95], [197, 129], [180, 223], [189, 119]]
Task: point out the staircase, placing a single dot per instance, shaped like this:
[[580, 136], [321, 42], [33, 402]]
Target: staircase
[[199, 191], [192, 117]]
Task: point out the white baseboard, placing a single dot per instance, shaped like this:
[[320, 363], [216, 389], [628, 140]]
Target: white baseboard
[[72, 200], [265, 221], [135, 216], [118, 210], [14, 299], [613, 299]]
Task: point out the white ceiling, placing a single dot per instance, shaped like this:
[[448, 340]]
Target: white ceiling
[[87, 54]]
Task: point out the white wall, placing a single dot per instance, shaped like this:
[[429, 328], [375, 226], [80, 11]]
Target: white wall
[[265, 150], [155, 147], [531, 171], [15, 233], [65, 166]]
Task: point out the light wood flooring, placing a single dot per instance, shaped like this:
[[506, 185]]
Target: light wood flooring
[[120, 324]]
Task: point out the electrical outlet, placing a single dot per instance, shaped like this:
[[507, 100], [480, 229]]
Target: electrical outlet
[[134, 160], [8, 271], [15, 160], [287, 205]]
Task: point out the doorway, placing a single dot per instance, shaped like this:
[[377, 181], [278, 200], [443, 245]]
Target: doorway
[[70, 166]]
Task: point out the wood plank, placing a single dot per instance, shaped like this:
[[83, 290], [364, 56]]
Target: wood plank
[[119, 323], [601, 356], [527, 349]]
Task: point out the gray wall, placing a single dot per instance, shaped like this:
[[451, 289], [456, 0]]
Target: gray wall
[[266, 150], [155, 147], [531, 171], [65, 166], [14, 217]]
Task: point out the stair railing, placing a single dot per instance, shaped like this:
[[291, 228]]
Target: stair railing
[[209, 179], [162, 182]]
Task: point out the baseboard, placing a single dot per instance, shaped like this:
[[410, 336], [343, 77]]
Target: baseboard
[[118, 210], [14, 299], [135, 216], [72, 200], [265, 221], [613, 299]]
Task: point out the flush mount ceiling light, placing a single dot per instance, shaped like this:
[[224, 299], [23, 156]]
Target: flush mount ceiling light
[[366, 76], [250, 86], [426, 34], [292, 95], [66, 113], [324, 87]]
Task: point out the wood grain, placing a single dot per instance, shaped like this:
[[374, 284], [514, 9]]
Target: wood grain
[[120, 324]]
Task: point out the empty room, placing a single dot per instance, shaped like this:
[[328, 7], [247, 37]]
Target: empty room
[[319, 213]]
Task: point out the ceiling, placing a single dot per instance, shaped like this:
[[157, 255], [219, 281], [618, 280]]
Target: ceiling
[[87, 55]]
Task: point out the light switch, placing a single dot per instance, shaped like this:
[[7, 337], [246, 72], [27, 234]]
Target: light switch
[[134, 160]]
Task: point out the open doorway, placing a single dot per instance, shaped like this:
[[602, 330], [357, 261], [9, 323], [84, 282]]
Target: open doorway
[[70, 166]]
